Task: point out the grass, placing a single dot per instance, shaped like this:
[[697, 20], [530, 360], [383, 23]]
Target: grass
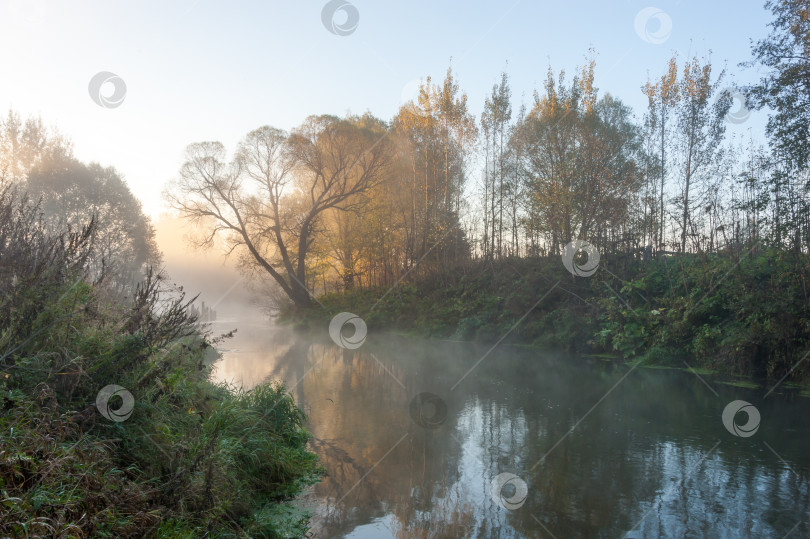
[[194, 458], [746, 316]]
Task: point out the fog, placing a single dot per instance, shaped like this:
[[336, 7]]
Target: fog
[[207, 272]]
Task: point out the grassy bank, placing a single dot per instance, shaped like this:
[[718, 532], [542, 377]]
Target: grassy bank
[[742, 314], [193, 459]]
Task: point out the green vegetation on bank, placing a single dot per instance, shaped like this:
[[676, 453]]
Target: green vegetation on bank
[[194, 458], [740, 314]]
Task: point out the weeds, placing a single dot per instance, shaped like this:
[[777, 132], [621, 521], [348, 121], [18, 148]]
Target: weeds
[[193, 459]]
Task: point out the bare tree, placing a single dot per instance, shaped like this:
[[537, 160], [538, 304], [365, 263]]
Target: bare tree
[[270, 199]]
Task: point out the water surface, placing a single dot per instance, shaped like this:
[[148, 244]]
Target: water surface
[[413, 439]]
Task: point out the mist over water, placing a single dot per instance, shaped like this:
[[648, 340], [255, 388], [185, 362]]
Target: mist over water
[[651, 460], [216, 280]]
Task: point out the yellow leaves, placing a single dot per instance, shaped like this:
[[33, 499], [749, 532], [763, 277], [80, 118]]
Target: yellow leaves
[[586, 86], [696, 84]]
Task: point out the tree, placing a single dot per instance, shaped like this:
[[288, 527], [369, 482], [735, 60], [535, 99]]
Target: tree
[[551, 139], [458, 134], [785, 57], [663, 97], [516, 185], [434, 136], [25, 146], [608, 163], [495, 124], [700, 132], [72, 193], [580, 161], [785, 54], [271, 198]]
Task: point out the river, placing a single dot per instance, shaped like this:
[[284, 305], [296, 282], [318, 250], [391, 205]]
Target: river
[[433, 439]]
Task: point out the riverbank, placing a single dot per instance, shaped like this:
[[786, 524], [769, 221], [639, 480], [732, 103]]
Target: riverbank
[[111, 427], [745, 314]]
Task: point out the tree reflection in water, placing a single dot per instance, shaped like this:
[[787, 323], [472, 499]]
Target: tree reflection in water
[[651, 460]]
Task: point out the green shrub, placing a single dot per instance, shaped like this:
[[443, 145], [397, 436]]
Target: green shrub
[[748, 314], [193, 459]]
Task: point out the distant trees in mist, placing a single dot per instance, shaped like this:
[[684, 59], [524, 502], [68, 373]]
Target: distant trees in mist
[[68, 195]]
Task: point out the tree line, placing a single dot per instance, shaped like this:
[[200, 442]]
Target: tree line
[[339, 203]]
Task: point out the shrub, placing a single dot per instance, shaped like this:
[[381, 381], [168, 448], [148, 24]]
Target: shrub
[[193, 459]]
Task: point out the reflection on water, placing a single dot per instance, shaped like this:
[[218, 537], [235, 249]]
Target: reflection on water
[[652, 459]]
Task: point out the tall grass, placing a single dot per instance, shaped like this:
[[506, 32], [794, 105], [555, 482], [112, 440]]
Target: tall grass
[[194, 458]]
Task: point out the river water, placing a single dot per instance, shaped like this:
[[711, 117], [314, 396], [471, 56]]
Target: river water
[[433, 439]]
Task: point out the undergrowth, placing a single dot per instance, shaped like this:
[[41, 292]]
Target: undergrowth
[[743, 313], [193, 459]]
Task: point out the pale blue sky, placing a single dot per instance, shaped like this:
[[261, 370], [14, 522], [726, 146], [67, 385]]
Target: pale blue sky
[[205, 70]]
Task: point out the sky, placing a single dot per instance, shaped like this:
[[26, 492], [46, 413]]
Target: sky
[[191, 70]]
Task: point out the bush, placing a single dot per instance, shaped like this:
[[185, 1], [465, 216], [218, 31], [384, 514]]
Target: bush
[[193, 458], [746, 314]]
